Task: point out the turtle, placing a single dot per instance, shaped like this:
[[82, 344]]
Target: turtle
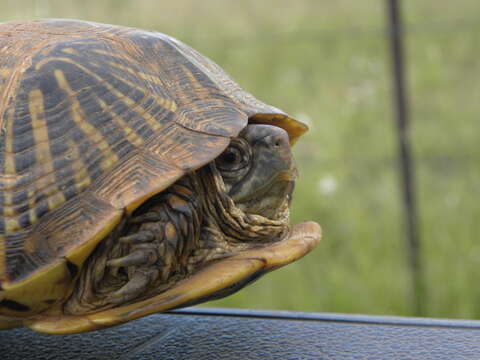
[[136, 177]]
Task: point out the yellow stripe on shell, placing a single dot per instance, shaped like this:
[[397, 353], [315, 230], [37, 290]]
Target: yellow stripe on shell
[[193, 80], [71, 51], [130, 134], [89, 130], [3, 265], [11, 225], [79, 168], [9, 164], [144, 76], [31, 203], [131, 104], [9, 169], [164, 103], [42, 149]]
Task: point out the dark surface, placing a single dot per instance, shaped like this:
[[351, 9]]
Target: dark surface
[[243, 334]]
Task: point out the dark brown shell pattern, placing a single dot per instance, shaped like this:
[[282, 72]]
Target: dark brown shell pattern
[[94, 120]]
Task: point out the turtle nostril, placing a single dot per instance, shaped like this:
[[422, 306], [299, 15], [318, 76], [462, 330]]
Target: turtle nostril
[[270, 136], [280, 139], [274, 141]]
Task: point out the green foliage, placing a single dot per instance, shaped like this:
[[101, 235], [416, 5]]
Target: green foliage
[[326, 62]]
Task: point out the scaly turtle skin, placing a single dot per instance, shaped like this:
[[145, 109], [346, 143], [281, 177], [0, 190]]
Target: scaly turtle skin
[[136, 177]]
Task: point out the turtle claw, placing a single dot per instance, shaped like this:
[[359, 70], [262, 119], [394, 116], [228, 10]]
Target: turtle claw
[[146, 217], [136, 258], [141, 236], [137, 284]]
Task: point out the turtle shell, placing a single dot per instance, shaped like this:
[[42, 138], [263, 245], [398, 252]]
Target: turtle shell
[[95, 119]]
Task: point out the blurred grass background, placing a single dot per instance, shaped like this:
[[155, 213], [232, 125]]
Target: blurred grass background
[[326, 63]]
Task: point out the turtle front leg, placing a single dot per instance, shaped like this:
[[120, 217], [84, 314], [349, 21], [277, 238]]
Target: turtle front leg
[[149, 259], [157, 249], [143, 251], [144, 256], [142, 260]]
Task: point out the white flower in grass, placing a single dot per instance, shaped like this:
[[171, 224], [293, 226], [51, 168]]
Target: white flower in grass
[[452, 200], [327, 185]]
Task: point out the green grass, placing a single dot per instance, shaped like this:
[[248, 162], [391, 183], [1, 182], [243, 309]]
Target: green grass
[[326, 62]]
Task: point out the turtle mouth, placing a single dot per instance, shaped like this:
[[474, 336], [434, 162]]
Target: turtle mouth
[[217, 279], [286, 176], [273, 199]]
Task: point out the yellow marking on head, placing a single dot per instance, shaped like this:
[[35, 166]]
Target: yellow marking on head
[[42, 148], [79, 118]]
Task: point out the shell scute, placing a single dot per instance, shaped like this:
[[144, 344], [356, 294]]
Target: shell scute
[[185, 148], [141, 175], [36, 246]]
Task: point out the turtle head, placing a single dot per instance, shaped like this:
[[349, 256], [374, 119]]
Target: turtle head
[[258, 170]]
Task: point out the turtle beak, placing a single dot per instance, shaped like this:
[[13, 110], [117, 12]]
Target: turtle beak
[[217, 280]]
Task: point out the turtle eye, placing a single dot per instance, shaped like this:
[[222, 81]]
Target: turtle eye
[[235, 157]]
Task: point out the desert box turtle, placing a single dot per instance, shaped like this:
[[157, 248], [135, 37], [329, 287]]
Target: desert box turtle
[[136, 177]]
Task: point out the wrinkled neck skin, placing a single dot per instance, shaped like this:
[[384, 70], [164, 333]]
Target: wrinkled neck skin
[[194, 222]]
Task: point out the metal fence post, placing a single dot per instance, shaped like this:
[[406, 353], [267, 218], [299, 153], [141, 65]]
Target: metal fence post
[[395, 36]]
